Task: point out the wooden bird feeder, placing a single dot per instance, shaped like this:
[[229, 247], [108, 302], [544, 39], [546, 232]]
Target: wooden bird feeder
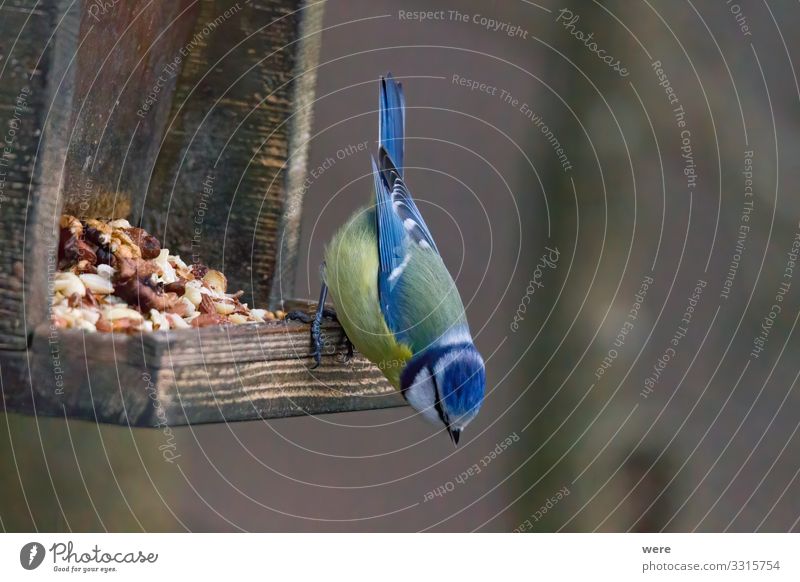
[[190, 118]]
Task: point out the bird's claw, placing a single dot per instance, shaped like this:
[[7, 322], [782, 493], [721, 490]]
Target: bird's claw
[[316, 332], [316, 328], [298, 315], [329, 313], [316, 341]]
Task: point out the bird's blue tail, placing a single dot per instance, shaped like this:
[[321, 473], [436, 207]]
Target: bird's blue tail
[[391, 132]]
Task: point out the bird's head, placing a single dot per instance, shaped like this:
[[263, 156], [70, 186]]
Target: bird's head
[[445, 384]]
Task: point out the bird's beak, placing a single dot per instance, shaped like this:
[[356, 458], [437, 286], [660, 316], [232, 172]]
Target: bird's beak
[[455, 434]]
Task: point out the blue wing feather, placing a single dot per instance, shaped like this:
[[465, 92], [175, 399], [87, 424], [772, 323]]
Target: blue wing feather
[[398, 220], [391, 245], [392, 123], [404, 204]]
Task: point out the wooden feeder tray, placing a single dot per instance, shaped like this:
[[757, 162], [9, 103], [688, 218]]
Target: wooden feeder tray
[[210, 374], [212, 163]]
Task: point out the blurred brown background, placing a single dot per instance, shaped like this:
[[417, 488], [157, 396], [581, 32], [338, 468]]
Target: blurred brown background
[[712, 446]]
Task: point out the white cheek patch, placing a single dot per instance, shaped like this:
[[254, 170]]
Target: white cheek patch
[[421, 395]]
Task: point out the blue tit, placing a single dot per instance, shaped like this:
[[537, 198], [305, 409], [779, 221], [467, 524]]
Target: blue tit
[[393, 295]]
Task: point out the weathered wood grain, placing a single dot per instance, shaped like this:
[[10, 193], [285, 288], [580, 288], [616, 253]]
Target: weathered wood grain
[[234, 155], [126, 68], [305, 79], [15, 386], [213, 162], [36, 86], [195, 376]]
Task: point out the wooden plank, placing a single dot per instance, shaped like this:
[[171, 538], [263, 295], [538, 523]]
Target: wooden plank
[[274, 389], [91, 376], [195, 376], [305, 79], [126, 69], [14, 381], [219, 191], [233, 343], [34, 120]]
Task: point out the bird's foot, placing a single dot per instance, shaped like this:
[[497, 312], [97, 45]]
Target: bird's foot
[[316, 324], [328, 313], [302, 316], [316, 332], [298, 315]]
